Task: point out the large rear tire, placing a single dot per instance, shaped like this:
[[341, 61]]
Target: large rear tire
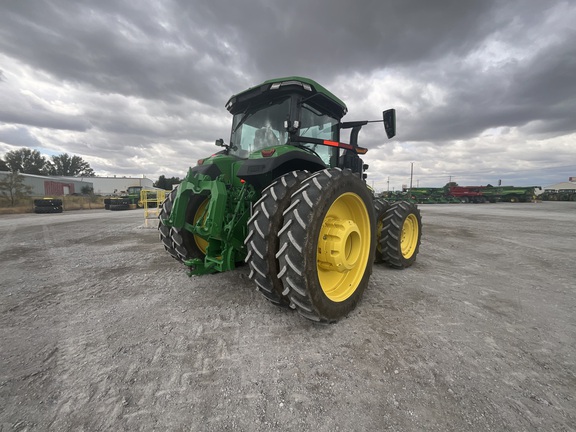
[[380, 208], [182, 245], [400, 240], [262, 240], [327, 245]]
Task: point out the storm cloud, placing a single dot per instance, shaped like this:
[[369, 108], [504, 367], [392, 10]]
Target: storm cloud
[[483, 89]]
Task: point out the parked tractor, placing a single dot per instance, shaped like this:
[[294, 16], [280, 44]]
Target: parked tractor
[[126, 201], [290, 199]]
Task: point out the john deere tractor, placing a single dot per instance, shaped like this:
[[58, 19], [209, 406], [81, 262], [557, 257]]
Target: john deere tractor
[[290, 199], [127, 200]]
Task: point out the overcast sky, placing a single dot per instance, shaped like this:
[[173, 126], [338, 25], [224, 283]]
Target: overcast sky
[[484, 90]]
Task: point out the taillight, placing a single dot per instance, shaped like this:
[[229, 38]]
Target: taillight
[[268, 153]]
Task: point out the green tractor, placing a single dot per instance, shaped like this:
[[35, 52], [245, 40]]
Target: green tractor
[[290, 199], [128, 200]]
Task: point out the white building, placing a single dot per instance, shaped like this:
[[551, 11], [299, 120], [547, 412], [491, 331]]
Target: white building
[[52, 185], [562, 186], [117, 185], [64, 185]]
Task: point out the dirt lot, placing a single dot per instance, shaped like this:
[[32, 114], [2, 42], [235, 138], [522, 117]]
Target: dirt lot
[[101, 330]]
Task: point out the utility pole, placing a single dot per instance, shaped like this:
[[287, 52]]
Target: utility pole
[[411, 173], [388, 188]]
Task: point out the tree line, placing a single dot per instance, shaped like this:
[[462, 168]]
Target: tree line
[[27, 161], [166, 183]]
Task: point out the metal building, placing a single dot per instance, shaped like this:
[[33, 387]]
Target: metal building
[[53, 186], [562, 186], [117, 185]]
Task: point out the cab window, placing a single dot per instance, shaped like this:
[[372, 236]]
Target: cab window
[[314, 124]]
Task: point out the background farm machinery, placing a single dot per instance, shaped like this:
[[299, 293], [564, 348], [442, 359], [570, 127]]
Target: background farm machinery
[[466, 194]]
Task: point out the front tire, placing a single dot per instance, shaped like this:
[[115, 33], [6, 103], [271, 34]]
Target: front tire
[[182, 245], [327, 245]]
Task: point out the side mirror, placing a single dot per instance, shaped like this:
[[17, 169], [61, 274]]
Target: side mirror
[[220, 142], [389, 117]]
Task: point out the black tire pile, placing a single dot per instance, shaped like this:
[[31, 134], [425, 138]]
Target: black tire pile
[[48, 206], [117, 203]]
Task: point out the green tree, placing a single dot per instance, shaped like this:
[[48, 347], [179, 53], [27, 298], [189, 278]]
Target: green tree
[[72, 166], [12, 187], [26, 161], [3, 166], [87, 190], [166, 183]]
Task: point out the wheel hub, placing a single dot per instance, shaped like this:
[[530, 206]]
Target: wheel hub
[[409, 236], [340, 245]]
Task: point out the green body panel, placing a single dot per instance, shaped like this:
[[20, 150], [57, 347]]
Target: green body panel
[[228, 165], [224, 223]]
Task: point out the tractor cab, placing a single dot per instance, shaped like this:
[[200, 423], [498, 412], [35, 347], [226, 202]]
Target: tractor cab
[[134, 190], [292, 123], [295, 112], [286, 111]]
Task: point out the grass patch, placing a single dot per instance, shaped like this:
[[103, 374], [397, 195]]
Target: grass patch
[[69, 202]]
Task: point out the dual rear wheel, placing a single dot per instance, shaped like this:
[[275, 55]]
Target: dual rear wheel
[[311, 241]]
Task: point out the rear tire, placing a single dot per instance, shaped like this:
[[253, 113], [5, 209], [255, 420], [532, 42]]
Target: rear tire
[[262, 240], [400, 241], [327, 245], [380, 208]]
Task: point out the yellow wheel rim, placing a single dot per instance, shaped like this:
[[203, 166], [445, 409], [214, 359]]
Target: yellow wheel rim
[[343, 247], [409, 239], [200, 213]]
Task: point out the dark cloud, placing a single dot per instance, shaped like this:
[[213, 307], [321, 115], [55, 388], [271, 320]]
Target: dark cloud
[[118, 81], [118, 48], [23, 111], [19, 137], [203, 49]]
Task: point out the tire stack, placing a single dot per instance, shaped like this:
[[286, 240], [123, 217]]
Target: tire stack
[[119, 204], [48, 205]]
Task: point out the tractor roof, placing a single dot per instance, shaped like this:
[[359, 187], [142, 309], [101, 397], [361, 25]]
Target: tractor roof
[[273, 88]]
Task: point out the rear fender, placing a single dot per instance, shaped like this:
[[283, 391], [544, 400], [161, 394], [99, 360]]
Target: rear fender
[[261, 171]]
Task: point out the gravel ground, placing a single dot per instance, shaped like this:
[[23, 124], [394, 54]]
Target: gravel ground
[[102, 330]]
